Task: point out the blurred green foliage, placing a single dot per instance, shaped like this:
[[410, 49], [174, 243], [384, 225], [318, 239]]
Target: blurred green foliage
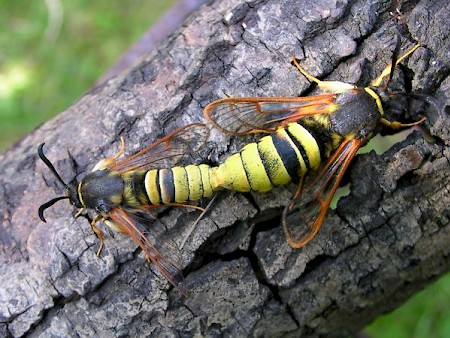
[[424, 315], [52, 51]]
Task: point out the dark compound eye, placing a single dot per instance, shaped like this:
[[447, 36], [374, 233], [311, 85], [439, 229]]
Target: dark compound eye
[[102, 207]]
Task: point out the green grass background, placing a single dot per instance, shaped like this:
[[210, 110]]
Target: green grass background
[[46, 64]]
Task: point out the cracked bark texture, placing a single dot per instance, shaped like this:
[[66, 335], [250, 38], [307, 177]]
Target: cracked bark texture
[[385, 241]]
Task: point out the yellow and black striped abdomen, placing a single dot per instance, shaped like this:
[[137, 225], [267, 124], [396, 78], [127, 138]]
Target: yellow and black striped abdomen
[[276, 159], [166, 186]]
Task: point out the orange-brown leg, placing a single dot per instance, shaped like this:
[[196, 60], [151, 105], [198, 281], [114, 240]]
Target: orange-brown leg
[[398, 125], [98, 232]]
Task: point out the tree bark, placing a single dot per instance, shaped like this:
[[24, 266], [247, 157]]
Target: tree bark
[[385, 241]]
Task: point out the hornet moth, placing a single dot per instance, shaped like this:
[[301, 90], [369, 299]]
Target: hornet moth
[[317, 135]]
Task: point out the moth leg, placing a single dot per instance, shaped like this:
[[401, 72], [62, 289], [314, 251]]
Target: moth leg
[[98, 232], [331, 86], [78, 213], [185, 206], [106, 162], [398, 125], [194, 225]]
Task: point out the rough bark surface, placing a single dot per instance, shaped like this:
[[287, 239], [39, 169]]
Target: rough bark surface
[[385, 241]]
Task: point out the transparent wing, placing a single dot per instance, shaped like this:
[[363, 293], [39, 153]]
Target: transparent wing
[[248, 115], [167, 151], [158, 251], [304, 215]]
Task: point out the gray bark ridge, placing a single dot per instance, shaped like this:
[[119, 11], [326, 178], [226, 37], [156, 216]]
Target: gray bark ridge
[[385, 241]]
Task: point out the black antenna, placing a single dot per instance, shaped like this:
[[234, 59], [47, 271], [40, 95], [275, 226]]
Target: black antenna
[[50, 165], [395, 55], [55, 173], [48, 205]]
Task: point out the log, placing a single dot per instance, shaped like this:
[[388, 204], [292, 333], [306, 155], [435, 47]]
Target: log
[[384, 241]]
